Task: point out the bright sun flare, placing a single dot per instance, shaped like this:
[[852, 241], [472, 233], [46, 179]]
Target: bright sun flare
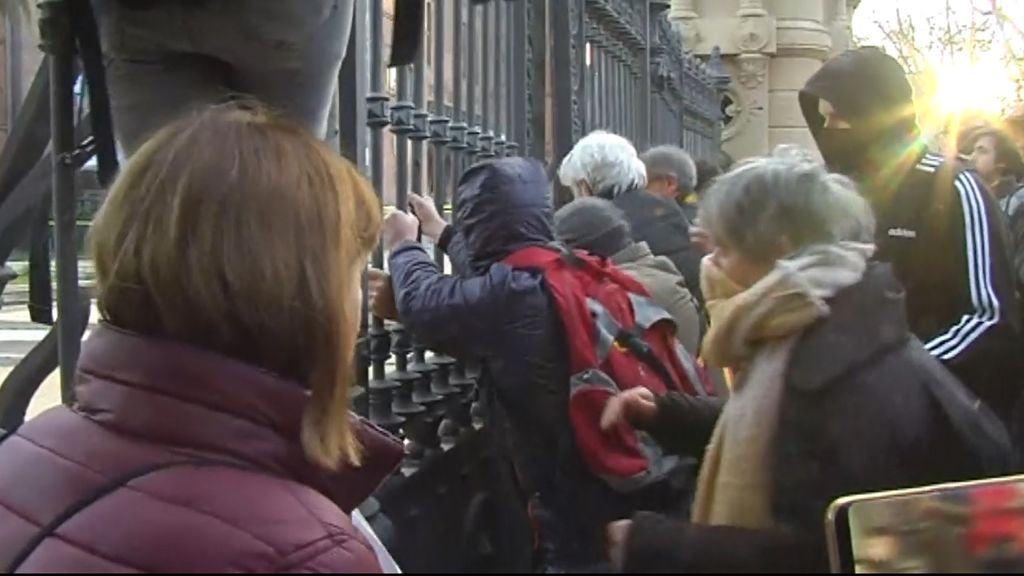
[[964, 88]]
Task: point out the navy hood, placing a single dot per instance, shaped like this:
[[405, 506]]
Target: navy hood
[[503, 205], [867, 87]]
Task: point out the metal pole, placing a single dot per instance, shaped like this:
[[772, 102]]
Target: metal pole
[[514, 82], [437, 371], [594, 76], [473, 84], [606, 90], [457, 129], [14, 64], [401, 124], [644, 83], [627, 109], [535, 135], [614, 104], [440, 121], [463, 93], [499, 78], [56, 37], [420, 117], [352, 92], [490, 79], [381, 389]]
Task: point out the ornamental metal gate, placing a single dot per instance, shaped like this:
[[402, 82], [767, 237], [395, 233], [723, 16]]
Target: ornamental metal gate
[[493, 78]]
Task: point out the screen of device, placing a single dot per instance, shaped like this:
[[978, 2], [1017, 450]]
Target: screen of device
[[963, 527]]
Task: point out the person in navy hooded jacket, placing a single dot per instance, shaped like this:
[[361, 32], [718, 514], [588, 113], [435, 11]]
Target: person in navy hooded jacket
[[505, 317]]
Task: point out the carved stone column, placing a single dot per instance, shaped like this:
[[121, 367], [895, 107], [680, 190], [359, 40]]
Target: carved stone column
[[803, 43], [841, 33], [753, 36], [769, 49], [684, 15]]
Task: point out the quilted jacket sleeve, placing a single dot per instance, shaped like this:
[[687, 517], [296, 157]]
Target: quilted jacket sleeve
[[456, 314], [338, 553]]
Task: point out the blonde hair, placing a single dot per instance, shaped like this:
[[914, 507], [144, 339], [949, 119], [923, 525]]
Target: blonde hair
[[238, 232]]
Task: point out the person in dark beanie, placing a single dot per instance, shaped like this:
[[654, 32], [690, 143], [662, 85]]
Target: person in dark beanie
[[599, 227], [938, 228]]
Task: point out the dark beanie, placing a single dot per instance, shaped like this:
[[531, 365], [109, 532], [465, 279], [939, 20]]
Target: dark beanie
[[593, 224]]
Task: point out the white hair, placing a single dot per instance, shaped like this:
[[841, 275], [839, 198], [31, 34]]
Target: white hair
[[796, 152], [607, 162]]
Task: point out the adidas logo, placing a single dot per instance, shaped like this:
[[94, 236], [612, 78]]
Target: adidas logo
[[902, 233]]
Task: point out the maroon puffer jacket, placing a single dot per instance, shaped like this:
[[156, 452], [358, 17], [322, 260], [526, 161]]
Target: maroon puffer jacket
[[143, 401]]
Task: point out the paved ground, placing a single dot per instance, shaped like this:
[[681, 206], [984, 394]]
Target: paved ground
[[18, 334]]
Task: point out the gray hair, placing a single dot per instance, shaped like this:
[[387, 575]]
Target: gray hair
[[607, 162], [766, 200], [796, 152], [669, 160]]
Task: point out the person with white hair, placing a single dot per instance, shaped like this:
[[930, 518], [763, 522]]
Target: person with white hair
[[602, 164], [606, 165], [833, 395]]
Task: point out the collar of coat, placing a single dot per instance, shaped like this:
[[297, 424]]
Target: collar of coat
[[867, 321]]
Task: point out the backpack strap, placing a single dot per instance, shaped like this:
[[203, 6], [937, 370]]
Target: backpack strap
[[103, 490], [611, 333]]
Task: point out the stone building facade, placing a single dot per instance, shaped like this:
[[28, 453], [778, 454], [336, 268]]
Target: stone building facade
[[770, 48]]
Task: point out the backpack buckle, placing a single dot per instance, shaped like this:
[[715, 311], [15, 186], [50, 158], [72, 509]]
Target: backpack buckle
[[567, 255]]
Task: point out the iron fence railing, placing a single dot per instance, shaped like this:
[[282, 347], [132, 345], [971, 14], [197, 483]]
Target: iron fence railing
[[494, 78]]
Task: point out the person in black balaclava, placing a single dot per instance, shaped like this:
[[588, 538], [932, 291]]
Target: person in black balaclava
[[937, 226]]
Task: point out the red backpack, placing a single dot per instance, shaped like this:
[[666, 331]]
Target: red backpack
[[618, 338]]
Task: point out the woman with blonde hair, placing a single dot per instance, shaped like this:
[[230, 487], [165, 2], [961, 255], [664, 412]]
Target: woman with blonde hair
[[211, 429]]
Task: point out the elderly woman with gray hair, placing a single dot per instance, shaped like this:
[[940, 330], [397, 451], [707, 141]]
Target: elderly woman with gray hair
[[833, 396]]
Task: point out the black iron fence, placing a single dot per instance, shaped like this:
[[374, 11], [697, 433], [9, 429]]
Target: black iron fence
[[492, 79]]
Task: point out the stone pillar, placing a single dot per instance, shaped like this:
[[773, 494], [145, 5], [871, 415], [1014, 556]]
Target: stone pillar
[[769, 49], [803, 43], [684, 15], [841, 32], [753, 38]]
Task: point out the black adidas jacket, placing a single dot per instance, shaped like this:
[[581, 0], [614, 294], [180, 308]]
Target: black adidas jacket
[[938, 227]]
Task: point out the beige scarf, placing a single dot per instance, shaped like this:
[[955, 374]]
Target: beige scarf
[[753, 331]]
